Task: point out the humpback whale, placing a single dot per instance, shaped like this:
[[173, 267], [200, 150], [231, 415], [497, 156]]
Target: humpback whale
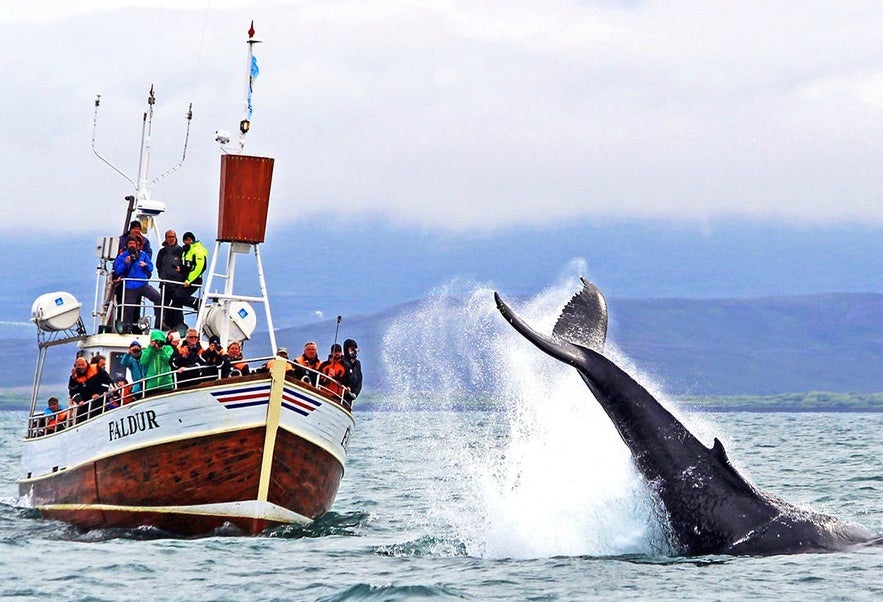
[[710, 507]]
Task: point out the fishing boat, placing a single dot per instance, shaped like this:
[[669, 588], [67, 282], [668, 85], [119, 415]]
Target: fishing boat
[[243, 447]]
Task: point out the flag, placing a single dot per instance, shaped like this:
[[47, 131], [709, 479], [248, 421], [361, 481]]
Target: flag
[[251, 77]]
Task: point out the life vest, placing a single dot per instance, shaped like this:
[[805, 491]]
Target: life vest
[[272, 362], [336, 371], [239, 366], [91, 371], [125, 394], [55, 419], [304, 361]]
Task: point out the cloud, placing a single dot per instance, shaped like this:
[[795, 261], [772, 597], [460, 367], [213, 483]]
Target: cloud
[[455, 115]]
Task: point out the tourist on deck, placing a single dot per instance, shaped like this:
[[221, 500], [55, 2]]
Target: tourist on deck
[[96, 388], [283, 353], [135, 266], [216, 360], [132, 361], [353, 367], [333, 370], [121, 393], [194, 260], [55, 417], [168, 268], [309, 359], [76, 384], [155, 363], [237, 363], [135, 230], [187, 359]]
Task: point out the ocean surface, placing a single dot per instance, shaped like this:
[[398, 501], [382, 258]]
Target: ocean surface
[[522, 503]]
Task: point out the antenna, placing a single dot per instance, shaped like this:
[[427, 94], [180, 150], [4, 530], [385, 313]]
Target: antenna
[[337, 329], [142, 186]]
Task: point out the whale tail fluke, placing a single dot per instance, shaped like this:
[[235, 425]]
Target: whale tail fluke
[[554, 346], [583, 321]]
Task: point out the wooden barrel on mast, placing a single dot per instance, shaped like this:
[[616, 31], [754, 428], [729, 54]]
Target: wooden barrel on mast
[[244, 198]]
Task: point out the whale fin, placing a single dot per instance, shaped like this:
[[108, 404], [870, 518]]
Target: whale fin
[[583, 321], [558, 348]]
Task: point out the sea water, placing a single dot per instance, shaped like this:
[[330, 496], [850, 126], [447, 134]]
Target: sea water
[[491, 474], [428, 509]]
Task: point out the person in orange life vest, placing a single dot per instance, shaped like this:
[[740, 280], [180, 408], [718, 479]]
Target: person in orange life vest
[[234, 355], [121, 394], [309, 359], [96, 388], [76, 385], [333, 368], [55, 418], [283, 353]]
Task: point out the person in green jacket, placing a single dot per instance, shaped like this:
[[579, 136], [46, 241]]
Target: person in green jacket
[[155, 362], [194, 261]]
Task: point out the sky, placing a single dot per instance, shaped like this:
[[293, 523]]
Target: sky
[[451, 116]]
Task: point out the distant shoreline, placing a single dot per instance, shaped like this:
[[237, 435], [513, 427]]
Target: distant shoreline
[[789, 403]]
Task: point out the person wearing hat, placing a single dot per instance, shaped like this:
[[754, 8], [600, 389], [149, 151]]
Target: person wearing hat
[[353, 367], [194, 260], [135, 267], [215, 357], [333, 370], [155, 362], [283, 353], [135, 230], [132, 361]]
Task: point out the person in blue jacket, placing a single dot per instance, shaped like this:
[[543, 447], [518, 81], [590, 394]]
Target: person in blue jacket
[[135, 267], [132, 361]]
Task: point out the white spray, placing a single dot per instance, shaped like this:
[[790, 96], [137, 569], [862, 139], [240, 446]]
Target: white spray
[[545, 473]]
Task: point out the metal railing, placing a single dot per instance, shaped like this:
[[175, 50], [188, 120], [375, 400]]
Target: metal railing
[[40, 425], [147, 313]]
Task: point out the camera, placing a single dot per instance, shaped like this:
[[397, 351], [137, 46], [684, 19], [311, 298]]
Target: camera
[[134, 254]]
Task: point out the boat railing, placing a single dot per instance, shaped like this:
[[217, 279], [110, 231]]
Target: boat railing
[[146, 314], [182, 378]]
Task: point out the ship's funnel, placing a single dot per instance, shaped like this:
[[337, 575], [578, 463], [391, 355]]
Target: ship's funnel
[[245, 197]]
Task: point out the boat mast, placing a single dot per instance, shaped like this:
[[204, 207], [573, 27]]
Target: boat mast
[[252, 72], [242, 222], [140, 204]]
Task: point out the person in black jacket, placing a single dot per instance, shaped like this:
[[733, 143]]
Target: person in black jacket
[[187, 360], [168, 268], [353, 376]]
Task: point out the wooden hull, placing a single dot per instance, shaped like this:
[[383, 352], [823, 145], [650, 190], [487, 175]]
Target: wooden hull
[[252, 453]]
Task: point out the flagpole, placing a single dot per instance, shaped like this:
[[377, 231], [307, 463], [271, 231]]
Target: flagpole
[[251, 73]]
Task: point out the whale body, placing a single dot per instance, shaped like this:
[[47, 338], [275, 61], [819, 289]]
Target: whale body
[[711, 508]]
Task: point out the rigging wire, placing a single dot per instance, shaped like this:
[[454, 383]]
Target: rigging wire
[[208, 7]]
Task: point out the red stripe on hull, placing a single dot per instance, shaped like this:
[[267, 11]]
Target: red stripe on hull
[[205, 470]]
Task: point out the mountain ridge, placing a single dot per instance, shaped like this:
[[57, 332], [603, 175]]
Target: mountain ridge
[[731, 346]]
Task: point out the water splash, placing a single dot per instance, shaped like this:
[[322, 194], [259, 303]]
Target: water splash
[[548, 475]]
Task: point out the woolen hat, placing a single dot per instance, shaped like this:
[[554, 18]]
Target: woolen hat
[[134, 344], [189, 235]]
